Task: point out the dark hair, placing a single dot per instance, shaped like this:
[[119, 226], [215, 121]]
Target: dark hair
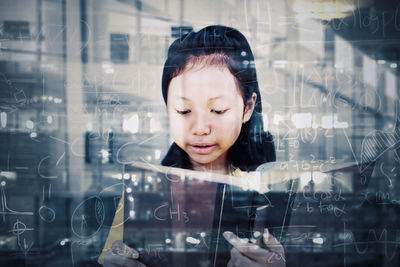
[[222, 46]]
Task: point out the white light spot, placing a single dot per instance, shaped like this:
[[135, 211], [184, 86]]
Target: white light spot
[[3, 119], [157, 154], [318, 240], [302, 120], [192, 240], [257, 234], [132, 214], [131, 124], [29, 124], [277, 119]]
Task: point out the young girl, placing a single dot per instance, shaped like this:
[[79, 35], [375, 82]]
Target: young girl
[[210, 87]]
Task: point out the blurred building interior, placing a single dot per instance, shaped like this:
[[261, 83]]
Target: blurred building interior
[[80, 98]]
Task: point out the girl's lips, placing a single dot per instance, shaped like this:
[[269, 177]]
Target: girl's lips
[[202, 149]]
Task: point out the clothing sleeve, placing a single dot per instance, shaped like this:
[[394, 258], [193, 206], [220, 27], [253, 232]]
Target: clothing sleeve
[[116, 230]]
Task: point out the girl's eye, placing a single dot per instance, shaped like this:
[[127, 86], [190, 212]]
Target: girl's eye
[[183, 112], [219, 111]]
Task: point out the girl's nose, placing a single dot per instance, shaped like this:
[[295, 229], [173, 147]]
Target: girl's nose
[[201, 125]]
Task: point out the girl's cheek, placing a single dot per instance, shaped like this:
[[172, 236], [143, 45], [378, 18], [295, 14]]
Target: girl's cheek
[[230, 120], [177, 124], [174, 120]]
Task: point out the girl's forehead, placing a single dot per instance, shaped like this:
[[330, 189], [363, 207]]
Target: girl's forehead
[[211, 82]]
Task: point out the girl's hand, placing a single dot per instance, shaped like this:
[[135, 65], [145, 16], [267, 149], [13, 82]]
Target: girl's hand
[[121, 255], [244, 253]]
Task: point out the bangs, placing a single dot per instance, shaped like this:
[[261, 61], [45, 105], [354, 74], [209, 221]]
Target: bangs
[[219, 60]]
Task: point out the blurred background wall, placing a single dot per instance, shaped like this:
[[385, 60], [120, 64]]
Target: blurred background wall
[[80, 97]]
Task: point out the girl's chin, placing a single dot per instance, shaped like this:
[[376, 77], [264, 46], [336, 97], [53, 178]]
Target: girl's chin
[[202, 159], [205, 160]]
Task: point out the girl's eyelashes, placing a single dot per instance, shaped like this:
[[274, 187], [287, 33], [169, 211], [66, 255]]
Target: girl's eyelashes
[[216, 111], [183, 112], [219, 112]]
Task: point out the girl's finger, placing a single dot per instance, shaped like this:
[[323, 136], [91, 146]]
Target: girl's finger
[[271, 242], [111, 259], [119, 248], [250, 250]]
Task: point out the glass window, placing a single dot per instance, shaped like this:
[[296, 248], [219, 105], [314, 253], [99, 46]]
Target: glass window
[[92, 152]]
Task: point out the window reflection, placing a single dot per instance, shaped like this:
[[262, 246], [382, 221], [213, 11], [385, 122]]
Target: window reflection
[[80, 100]]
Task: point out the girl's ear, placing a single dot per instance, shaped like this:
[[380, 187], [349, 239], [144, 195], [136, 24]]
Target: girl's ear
[[249, 108]]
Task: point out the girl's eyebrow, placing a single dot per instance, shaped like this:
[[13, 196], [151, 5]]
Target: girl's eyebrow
[[216, 97], [180, 97]]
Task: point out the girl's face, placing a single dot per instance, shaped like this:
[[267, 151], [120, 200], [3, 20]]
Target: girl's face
[[206, 113]]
